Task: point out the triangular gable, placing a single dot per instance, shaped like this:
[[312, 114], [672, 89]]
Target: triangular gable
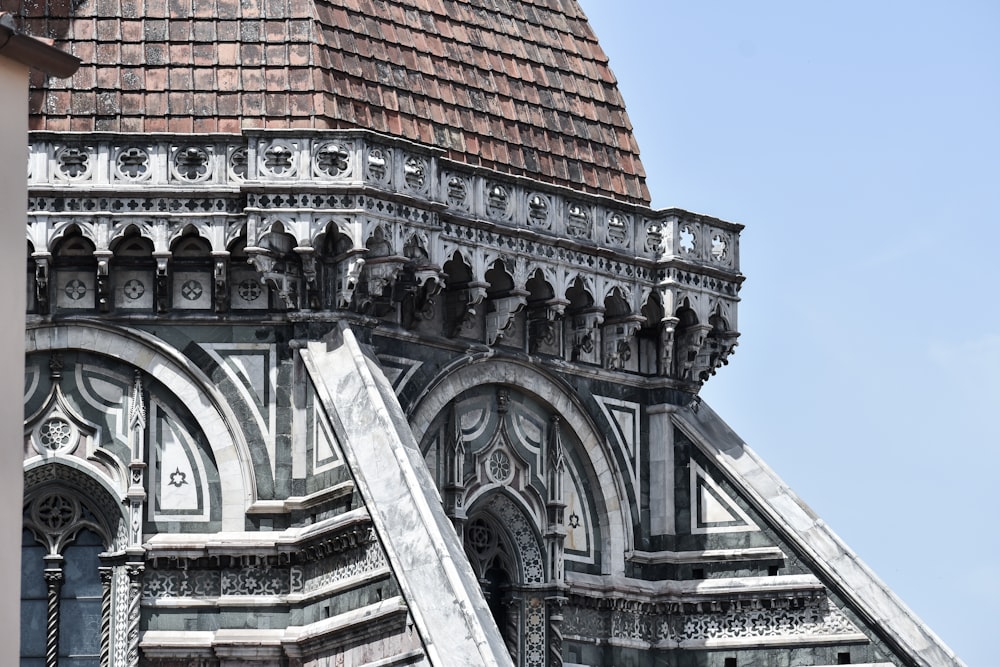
[[442, 592], [821, 549]]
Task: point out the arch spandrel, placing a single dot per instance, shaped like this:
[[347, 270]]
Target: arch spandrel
[[187, 383], [606, 480]]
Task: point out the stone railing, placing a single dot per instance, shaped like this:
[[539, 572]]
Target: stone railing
[[359, 159], [402, 214]]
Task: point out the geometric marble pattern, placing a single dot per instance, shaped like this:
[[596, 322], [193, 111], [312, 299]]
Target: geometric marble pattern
[[712, 509]]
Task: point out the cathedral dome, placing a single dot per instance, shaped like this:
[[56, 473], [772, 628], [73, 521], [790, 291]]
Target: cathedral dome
[[520, 87]]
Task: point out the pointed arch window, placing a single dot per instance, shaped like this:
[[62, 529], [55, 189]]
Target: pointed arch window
[[65, 594]]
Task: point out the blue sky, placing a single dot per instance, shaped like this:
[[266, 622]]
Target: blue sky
[[859, 142]]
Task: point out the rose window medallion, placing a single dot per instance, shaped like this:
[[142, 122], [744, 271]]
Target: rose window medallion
[[55, 434], [499, 467]]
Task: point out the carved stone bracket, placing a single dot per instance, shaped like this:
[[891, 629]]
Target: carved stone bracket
[[417, 288], [461, 305], [42, 260], [668, 328], [500, 316], [307, 255], [348, 277], [618, 335], [585, 325], [379, 276], [543, 323], [691, 358], [103, 279], [220, 275], [274, 272], [162, 281]]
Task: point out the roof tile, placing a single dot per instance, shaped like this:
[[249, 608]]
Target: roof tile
[[516, 84]]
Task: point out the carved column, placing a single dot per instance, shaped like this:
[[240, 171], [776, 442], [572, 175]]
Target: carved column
[[53, 584], [553, 606], [134, 571], [107, 574], [512, 633], [668, 327]]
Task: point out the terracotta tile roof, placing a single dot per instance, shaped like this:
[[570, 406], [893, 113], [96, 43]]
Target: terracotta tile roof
[[521, 86]]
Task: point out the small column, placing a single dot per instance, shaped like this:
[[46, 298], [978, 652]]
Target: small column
[[53, 585], [554, 606], [107, 574], [134, 571], [512, 633]]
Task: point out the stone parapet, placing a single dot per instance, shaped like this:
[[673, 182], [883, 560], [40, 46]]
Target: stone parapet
[[353, 220]]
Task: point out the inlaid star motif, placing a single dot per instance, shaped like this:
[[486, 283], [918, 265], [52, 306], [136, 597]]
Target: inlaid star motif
[[178, 478]]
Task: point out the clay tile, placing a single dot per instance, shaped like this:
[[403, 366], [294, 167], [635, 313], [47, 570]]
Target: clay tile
[[300, 79], [180, 124], [181, 103], [276, 104], [179, 79], [156, 79], [204, 78], [204, 104], [227, 104], [276, 54]]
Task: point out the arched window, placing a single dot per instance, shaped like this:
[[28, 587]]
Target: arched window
[[66, 579]]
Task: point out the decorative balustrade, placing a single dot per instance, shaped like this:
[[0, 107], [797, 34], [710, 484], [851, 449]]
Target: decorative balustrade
[[398, 214], [359, 159]]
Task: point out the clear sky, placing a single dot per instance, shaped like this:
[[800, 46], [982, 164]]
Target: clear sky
[[859, 142]]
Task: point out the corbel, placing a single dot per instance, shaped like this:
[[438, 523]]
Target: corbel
[[103, 279], [220, 275], [543, 320], [585, 324], [618, 334], [162, 280], [461, 305], [500, 316], [42, 264]]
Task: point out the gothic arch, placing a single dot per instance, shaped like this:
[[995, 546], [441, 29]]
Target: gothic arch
[[508, 557], [80, 594], [187, 382], [93, 491], [610, 491]]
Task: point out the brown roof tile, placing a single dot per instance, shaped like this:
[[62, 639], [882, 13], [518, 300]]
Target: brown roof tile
[[519, 85]]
